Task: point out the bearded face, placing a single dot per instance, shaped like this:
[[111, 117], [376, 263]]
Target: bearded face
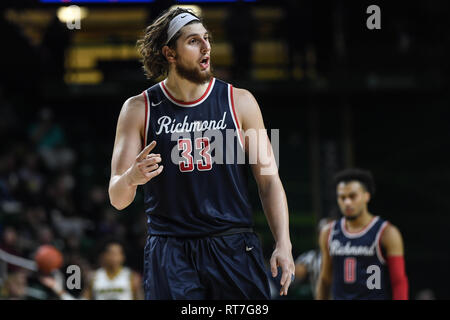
[[193, 73]]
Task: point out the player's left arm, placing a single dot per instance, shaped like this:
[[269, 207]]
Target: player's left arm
[[392, 242], [87, 293], [136, 286], [271, 192]]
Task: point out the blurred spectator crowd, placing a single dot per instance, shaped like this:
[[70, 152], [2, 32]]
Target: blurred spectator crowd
[[41, 202]]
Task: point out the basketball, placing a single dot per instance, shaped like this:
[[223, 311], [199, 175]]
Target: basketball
[[48, 258]]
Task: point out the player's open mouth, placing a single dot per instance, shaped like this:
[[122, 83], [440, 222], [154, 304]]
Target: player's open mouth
[[204, 63]]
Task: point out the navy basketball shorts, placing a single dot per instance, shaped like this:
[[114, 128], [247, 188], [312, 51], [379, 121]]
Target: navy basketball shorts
[[229, 267]]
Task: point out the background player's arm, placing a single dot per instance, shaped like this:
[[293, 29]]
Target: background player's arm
[[301, 271], [303, 265], [130, 165], [57, 287], [271, 192], [326, 271], [392, 242], [87, 293], [136, 286]]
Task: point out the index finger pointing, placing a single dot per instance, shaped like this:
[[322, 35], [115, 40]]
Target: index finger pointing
[[146, 150]]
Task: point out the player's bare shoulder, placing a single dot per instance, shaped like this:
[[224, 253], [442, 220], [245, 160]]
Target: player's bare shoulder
[[246, 106], [134, 105], [132, 114], [326, 229], [391, 236], [242, 93], [244, 99], [325, 233]]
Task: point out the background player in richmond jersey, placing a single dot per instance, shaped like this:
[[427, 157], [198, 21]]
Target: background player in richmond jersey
[[362, 254], [200, 241]]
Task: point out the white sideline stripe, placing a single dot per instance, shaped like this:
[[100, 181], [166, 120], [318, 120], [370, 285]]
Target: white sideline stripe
[[18, 261]]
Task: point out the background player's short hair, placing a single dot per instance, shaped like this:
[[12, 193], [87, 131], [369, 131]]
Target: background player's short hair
[[150, 46], [355, 174], [103, 245]]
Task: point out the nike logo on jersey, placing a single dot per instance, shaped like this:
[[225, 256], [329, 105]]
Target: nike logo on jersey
[[248, 248], [183, 16], [156, 104]]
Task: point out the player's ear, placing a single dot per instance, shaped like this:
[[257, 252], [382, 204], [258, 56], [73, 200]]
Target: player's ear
[[367, 196], [169, 54]]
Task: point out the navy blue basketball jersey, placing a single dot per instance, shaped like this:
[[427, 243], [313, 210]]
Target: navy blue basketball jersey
[[359, 267], [202, 189]]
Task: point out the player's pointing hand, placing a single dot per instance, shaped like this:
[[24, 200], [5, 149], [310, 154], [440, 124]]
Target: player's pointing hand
[[145, 167]]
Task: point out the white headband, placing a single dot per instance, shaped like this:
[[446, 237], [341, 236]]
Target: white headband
[[177, 23]]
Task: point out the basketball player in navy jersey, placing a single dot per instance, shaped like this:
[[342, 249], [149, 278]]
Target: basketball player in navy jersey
[[362, 254], [200, 241]]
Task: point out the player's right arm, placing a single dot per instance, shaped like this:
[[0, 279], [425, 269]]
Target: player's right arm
[[323, 289], [87, 293], [131, 165], [392, 242], [136, 286]]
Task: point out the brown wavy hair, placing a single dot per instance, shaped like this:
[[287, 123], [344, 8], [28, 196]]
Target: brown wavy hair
[[150, 46]]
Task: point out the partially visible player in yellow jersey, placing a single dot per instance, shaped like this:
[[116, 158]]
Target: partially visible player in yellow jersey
[[113, 280]]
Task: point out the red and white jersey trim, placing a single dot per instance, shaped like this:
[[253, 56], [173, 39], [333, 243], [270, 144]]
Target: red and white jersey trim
[[234, 115], [378, 239], [353, 235], [180, 103], [147, 116]]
